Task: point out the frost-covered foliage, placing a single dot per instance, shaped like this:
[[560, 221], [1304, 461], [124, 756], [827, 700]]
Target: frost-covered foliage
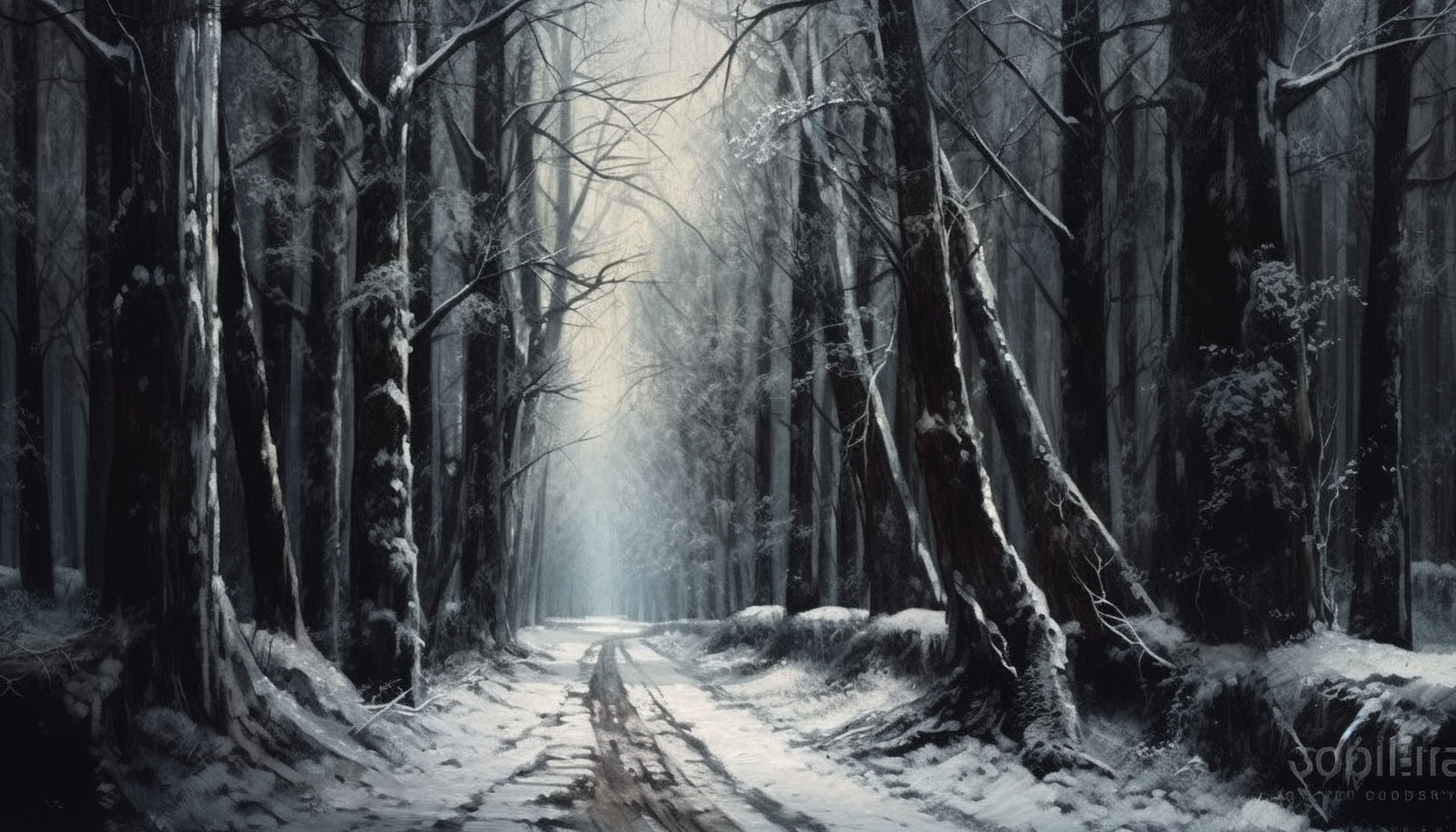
[[386, 286], [770, 135], [1282, 302], [1250, 413], [1242, 413]]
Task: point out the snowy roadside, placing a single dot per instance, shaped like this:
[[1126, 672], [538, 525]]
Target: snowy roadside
[[773, 724], [500, 744]]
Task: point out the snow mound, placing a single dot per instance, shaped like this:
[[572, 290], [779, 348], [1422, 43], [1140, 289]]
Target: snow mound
[[910, 643], [751, 627], [818, 635]]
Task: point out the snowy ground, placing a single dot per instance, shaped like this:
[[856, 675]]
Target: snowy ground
[[613, 727], [775, 726]]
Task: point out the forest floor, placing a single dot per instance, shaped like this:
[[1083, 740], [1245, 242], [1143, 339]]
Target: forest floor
[[612, 727]]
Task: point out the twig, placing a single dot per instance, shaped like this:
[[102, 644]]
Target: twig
[[382, 712]]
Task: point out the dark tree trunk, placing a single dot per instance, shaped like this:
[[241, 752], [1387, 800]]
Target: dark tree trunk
[[280, 212], [319, 521], [422, 352], [763, 548], [1086, 577], [1084, 284], [164, 489], [270, 553], [1240, 526], [810, 275], [1380, 599], [32, 477], [108, 159], [891, 565], [487, 347], [382, 554], [1000, 626]]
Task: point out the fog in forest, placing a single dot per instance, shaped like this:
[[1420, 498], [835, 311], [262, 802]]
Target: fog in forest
[[798, 415]]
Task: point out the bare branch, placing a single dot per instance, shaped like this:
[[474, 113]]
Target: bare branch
[[365, 104], [476, 284], [115, 61], [1048, 218], [479, 27]]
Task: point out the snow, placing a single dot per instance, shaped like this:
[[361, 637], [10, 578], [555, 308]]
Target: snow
[[779, 729]]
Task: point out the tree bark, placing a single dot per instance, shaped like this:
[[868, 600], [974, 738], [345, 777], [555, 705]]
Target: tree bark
[[422, 363], [270, 552], [1380, 599], [164, 488], [1086, 576], [319, 555], [1000, 625], [1084, 285], [108, 160], [382, 554], [809, 278], [32, 476], [487, 347], [1240, 487]]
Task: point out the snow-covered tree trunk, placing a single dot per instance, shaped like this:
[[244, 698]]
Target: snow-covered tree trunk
[[32, 463], [1086, 577], [163, 513], [421, 255], [1380, 599], [1000, 626], [386, 630], [270, 552]]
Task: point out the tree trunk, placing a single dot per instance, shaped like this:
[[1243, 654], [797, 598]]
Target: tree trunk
[[383, 559], [164, 488], [32, 476], [1380, 600], [108, 160], [809, 278], [319, 552], [1240, 487], [270, 553], [1084, 285], [422, 361], [1087, 578], [1000, 625], [487, 345]]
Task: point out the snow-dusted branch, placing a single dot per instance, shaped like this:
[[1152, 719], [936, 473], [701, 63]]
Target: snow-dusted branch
[[1289, 93], [1053, 224], [1064, 123], [428, 325], [117, 62], [365, 104], [485, 20]]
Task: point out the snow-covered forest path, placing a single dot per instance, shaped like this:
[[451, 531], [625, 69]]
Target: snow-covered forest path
[[600, 731]]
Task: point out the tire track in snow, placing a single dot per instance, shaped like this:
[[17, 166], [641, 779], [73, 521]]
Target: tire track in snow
[[638, 787]]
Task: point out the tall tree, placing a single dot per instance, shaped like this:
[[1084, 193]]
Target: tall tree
[[810, 271], [319, 549], [1084, 282], [270, 551], [1380, 598], [1239, 477], [382, 552], [998, 617], [164, 479], [31, 466]]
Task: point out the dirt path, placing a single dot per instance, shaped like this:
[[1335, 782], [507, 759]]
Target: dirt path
[[639, 787]]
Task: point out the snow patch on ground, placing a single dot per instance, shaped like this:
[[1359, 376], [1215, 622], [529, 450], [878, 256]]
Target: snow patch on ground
[[799, 707]]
